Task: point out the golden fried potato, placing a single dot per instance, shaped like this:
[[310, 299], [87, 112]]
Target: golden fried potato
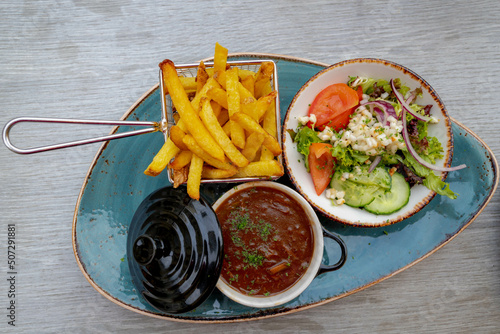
[[197, 150], [182, 159], [261, 168], [176, 134], [233, 103], [208, 117], [263, 78], [203, 93], [187, 113], [254, 143], [180, 176], [219, 95], [194, 177], [201, 77], [249, 83], [250, 125], [220, 62], [210, 172], [162, 158]]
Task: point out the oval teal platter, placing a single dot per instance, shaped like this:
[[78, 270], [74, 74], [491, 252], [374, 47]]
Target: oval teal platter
[[115, 186]]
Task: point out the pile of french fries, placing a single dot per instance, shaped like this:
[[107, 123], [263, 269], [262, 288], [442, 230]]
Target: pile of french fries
[[225, 124]]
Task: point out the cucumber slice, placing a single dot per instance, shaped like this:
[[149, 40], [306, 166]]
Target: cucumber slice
[[393, 200], [378, 177], [356, 195]]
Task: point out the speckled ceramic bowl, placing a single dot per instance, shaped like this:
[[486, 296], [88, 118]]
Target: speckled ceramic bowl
[[315, 268], [340, 72]]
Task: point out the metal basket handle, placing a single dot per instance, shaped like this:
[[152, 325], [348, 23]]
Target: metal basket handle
[[153, 127]]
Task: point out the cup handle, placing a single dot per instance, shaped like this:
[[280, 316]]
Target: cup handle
[[326, 268]]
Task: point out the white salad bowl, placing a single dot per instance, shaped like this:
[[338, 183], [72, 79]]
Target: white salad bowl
[[340, 73]]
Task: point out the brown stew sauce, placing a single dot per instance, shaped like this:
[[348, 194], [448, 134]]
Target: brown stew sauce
[[268, 241]]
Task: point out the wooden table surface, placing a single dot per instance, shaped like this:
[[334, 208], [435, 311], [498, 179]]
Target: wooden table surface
[[94, 59]]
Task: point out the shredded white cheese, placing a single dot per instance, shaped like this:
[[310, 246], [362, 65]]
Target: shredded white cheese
[[365, 134]]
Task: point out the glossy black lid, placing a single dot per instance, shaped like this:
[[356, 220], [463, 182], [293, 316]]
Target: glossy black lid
[[174, 250]]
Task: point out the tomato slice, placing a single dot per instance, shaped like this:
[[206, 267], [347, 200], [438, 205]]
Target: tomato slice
[[360, 92], [321, 165], [333, 102]]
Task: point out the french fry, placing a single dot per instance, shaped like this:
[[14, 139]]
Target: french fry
[[263, 78], [194, 177], [269, 119], [210, 84], [181, 124], [162, 158], [232, 89], [210, 71], [261, 168], [261, 86], [201, 77], [176, 134], [220, 62], [257, 109], [245, 94], [263, 104], [233, 103], [227, 128], [248, 107], [269, 124], [254, 142], [216, 108], [197, 150], [219, 95], [187, 113], [249, 124], [249, 82], [265, 154], [210, 172], [180, 176], [220, 58], [208, 118], [221, 78], [243, 74], [182, 159], [237, 134], [223, 117], [177, 119], [265, 71], [189, 84]]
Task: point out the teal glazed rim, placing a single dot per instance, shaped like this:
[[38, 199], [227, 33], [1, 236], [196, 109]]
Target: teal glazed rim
[[115, 186]]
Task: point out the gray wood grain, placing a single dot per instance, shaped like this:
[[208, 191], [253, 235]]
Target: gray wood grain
[[94, 59]]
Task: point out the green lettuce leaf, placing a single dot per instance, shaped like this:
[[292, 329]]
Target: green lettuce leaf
[[434, 182], [430, 180], [347, 157], [304, 138]]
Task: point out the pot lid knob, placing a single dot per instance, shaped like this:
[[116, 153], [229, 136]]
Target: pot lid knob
[[144, 250]]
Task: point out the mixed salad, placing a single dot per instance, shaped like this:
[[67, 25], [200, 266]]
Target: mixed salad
[[366, 143]]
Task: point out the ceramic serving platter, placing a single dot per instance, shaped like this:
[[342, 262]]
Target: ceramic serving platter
[[115, 186]]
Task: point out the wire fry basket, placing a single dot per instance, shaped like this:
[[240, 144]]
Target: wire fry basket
[[190, 70]]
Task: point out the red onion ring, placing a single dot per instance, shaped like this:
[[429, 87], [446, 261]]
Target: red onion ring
[[405, 104], [374, 163], [383, 110]]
